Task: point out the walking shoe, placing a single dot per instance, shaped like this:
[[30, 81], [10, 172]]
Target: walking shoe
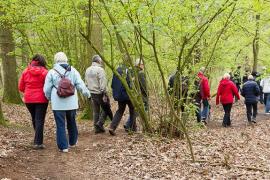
[[39, 146], [204, 122], [112, 132], [74, 145], [63, 150], [253, 120], [126, 128]]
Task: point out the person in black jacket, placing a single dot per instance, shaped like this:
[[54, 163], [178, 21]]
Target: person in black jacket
[[120, 95], [139, 68], [251, 91]]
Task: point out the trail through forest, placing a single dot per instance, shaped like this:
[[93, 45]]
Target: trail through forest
[[239, 152]]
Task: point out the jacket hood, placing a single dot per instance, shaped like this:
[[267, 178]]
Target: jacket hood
[[35, 69], [200, 75], [61, 67], [225, 82]]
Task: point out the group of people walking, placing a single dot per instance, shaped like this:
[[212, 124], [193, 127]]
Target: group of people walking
[[254, 89], [60, 85]]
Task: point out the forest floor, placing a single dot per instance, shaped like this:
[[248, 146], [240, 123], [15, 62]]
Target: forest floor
[[238, 152]]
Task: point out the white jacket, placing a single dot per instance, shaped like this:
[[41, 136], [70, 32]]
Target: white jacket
[[265, 83], [95, 78]]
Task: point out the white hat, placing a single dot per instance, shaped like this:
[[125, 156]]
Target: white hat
[[60, 57]]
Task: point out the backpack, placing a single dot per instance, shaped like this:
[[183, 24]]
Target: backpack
[[65, 87]]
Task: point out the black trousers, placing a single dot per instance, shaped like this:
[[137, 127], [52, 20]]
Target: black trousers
[[97, 103], [120, 111], [227, 115], [38, 113], [251, 110]]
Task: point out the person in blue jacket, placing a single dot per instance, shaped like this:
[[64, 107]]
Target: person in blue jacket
[[251, 92], [120, 95], [64, 108]]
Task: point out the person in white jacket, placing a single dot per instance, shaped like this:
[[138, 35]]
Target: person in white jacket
[[96, 82], [265, 84]]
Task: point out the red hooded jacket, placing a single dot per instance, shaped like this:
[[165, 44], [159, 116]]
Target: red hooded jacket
[[226, 92], [31, 83], [204, 86]]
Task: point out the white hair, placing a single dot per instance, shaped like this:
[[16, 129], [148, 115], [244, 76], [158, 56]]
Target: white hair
[[226, 76], [60, 57], [138, 62], [250, 77], [202, 69]]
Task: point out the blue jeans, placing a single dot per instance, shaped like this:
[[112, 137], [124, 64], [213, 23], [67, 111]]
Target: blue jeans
[[267, 102], [60, 119], [132, 123], [205, 110]]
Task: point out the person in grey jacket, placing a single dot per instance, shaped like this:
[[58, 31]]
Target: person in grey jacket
[[96, 81], [64, 108]]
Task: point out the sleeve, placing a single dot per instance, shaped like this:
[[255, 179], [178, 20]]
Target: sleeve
[[262, 83], [218, 95], [79, 84], [206, 88], [21, 84], [243, 91], [48, 85], [102, 80], [235, 91], [257, 90], [143, 84], [85, 78]]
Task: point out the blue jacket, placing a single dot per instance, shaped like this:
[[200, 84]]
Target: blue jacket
[[119, 92], [53, 78], [250, 91]]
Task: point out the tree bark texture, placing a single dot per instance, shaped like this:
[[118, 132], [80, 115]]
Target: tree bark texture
[[10, 79]]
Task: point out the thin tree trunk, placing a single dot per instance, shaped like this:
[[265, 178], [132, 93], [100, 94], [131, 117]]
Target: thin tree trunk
[[256, 44], [2, 120]]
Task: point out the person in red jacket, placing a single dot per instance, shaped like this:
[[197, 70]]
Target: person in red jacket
[[31, 85], [204, 95], [225, 94]]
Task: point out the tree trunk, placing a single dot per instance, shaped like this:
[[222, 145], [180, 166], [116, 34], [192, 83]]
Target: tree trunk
[[94, 31], [256, 44], [10, 79], [2, 120]]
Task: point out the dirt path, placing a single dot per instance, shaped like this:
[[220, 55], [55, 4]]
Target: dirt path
[[222, 153]]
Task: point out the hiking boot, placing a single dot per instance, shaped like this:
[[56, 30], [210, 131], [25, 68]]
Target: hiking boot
[[253, 120], [63, 150], [112, 132], [99, 129]]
